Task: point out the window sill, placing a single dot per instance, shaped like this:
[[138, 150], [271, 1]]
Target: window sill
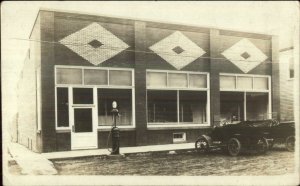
[[63, 130], [104, 129], [167, 127]]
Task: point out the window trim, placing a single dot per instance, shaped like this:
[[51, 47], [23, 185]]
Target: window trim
[[289, 70], [269, 90], [95, 87], [152, 125], [252, 76], [179, 140], [178, 88]]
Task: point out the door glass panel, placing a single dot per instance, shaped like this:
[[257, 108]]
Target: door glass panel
[[83, 121], [82, 96], [68, 76], [95, 77], [62, 107]]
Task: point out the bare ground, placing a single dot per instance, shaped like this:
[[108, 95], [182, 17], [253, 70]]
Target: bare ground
[[188, 163]]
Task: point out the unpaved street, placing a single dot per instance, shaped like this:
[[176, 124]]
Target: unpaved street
[[275, 162]]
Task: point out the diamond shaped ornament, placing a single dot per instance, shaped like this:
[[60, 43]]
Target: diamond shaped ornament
[[245, 55], [177, 49], [94, 43]]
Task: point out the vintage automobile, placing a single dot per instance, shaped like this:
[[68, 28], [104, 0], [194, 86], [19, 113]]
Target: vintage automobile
[[235, 138], [247, 135], [283, 133]]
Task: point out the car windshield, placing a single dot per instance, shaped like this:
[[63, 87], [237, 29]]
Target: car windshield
[[263, 123]]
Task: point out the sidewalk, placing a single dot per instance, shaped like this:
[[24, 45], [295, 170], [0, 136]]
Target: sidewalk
[[31, 163], [123, 150]]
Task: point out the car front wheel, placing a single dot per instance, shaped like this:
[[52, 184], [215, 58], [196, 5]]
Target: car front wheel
[[202, 145], [290, 143], [234, 146]]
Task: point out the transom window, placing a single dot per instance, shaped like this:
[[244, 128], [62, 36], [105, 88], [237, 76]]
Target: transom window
[[244, 82], [190, 80], [93, 76]]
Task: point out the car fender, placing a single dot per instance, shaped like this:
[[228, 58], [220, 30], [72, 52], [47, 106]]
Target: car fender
[[208, 138]]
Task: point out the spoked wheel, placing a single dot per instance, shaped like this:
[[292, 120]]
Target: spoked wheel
[[234, 147], [290, 143], [202, 145], [262, 145]]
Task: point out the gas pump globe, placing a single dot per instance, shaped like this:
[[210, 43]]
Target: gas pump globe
[[115, 132]]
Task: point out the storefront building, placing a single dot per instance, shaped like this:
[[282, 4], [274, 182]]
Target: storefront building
[[172, 82]]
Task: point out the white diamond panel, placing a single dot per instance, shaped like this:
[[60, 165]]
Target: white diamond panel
[[234, 54], [78, 42], [164, 48]]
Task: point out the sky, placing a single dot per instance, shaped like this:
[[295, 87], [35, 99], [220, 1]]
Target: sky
[[17, 20]]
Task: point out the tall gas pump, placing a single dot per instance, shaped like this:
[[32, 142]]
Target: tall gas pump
[[115, 131]]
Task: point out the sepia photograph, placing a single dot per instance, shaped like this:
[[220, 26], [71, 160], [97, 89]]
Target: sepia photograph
[[150, 93]]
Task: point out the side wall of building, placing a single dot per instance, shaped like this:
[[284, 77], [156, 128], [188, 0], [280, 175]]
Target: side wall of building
[[287, 87], [27, 127]]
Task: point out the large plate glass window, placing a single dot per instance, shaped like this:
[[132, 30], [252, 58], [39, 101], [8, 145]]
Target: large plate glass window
[[62, 104], [192, 106], [176, 97], [123, 97], [162, 106]]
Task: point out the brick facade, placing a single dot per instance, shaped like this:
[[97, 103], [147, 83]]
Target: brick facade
[[140, 36]]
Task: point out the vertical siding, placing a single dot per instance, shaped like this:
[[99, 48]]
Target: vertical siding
[[286, 87]]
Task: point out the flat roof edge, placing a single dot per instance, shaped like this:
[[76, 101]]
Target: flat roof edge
[[153, 21]]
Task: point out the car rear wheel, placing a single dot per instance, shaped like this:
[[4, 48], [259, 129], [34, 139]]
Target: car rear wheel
[[202, 145], [290, 143], [263, 145], [234, 146]]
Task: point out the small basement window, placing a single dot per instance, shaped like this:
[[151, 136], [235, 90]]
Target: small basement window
[[179, 137]]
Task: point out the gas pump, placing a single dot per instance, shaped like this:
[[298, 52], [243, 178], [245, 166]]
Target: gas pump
[[115, 131]]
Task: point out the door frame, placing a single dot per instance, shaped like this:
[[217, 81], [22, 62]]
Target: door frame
[[93, 106]]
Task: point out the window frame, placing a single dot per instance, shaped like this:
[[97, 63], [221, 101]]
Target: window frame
[[245, 91], [152, 125], [95, 97], [179, 140], [289, 69], [252, 76]]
